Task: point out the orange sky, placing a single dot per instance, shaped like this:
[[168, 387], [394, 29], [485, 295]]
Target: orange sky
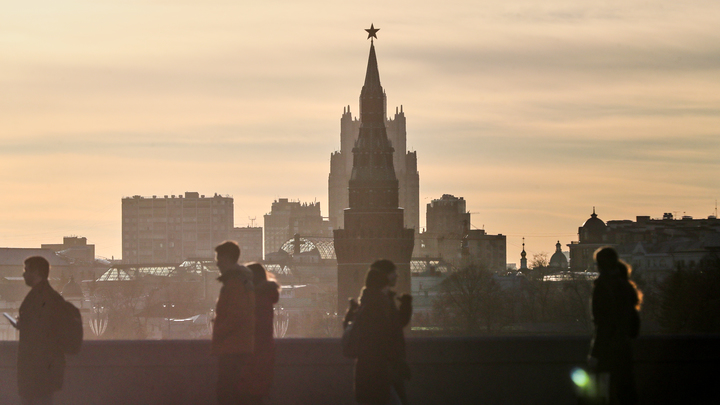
[[534, 112]]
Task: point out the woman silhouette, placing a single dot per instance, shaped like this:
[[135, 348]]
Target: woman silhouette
[[615, 305]]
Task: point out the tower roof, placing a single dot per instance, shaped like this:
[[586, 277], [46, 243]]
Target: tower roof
[[558, 259], [373, 173], [372, 75], [593, 229], [372, 96]]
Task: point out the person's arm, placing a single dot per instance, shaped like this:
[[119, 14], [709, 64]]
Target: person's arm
[[351, 313], [405, 310]]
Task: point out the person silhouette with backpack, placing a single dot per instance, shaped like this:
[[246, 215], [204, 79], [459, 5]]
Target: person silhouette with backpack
[[48, 329], [378, 343]]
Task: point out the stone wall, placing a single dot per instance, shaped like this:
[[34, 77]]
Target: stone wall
[[492, 370]]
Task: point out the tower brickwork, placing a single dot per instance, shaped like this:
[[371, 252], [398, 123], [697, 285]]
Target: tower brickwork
[[404, 163], [374, 224]]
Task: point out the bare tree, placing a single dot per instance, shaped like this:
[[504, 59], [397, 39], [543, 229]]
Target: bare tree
[[471, 301], [539, 260], [576, 294], [122, 301]]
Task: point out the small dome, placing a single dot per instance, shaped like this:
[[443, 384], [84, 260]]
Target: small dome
[[72, 289], [593, 229], [325, 246], [558, 259]]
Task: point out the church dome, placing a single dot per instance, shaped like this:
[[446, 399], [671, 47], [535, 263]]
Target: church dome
[[558, 259], [593, 229], [72, 289]]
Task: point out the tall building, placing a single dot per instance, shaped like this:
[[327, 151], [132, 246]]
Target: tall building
[[374, 223], [172, 229], [447, 216], [449, 237], [404, 164], [286, 218], [250, 240]]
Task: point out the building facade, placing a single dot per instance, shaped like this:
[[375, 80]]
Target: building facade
[[449, 237], [373, 225], [287, 218], [654, 246], [447, 215], [172, 229], [250, 240], [73, 247], [480, 248]]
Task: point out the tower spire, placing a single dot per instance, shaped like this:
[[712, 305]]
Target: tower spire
[[523, 257], [373, 183], [374, 222], [372, 98]]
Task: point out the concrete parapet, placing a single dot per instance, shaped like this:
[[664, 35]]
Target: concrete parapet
[[490, 370]]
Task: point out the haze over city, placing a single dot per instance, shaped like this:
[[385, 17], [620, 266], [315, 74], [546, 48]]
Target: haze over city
[[533, 112]]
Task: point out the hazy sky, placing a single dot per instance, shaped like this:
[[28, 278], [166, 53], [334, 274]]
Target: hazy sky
[[532, 111]]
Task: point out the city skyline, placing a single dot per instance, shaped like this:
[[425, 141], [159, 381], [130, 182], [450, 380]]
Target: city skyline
[[534, 113]]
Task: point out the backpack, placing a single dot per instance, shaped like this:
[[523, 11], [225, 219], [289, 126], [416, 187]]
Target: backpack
[[71, 328], [350, 340]]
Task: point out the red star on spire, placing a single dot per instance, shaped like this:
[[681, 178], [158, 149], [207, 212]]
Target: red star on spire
[[372, 31]]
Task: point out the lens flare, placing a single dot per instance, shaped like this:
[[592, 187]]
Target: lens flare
[[580, 377]]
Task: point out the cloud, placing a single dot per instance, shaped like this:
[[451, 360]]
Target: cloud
[[534, 112]]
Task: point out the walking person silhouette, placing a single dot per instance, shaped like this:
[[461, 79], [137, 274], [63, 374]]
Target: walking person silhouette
[[615, 305], [381, 368]]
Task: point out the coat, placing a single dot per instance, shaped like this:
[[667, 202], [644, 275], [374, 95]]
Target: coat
[[613, 304], [381, 358], [234, 323], [41, 360], [616, 324], [267, 294], [256, 377]]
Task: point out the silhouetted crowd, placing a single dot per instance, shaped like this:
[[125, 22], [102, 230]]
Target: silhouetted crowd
[[242, 336]]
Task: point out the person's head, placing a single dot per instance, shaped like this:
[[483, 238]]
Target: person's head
[[258, 271], [608, 262], [37, 269], [606, 259], [387, 268], [375, 279], [227, 254]]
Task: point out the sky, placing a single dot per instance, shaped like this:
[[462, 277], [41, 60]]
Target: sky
[[534, 112]]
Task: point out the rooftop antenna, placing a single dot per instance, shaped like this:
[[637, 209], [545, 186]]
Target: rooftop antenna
[[252, 221]]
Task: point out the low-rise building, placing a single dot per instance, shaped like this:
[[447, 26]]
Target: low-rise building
[[653, 246]]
